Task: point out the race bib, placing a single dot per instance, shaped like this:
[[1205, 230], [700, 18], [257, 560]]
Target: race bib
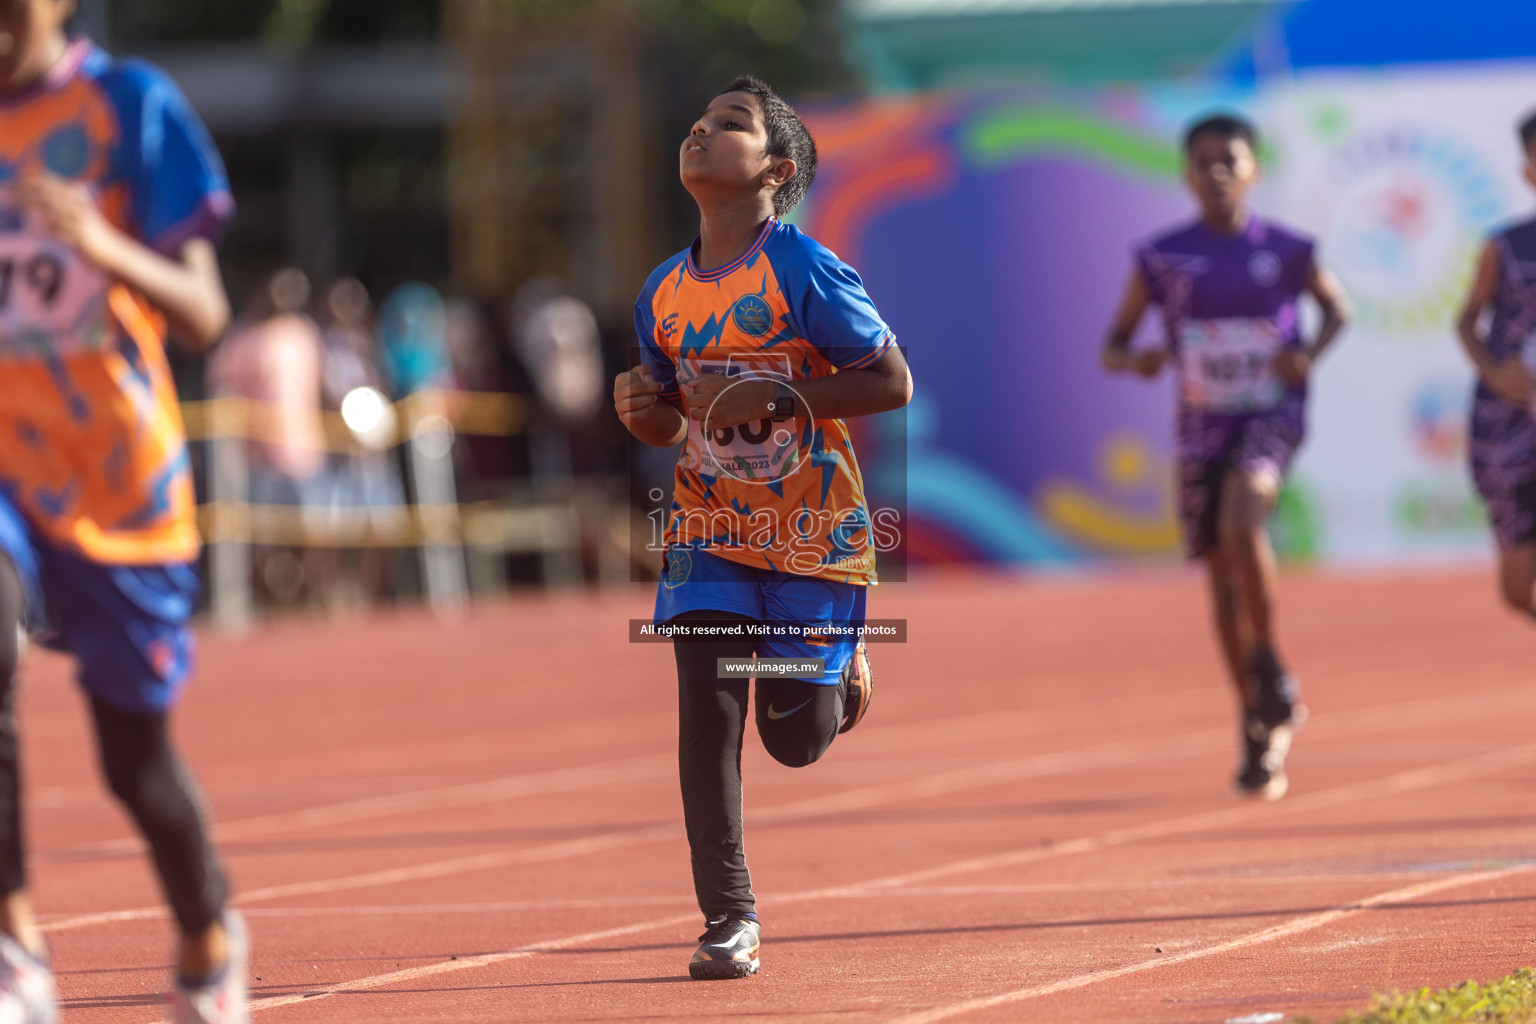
[[53, 302], [760, 451], [1229, 364]]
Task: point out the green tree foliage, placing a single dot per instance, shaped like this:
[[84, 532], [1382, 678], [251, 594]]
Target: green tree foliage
[[793, 44]]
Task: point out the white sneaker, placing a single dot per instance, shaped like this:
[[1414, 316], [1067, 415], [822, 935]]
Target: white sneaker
[[224, 999], [26, 986]]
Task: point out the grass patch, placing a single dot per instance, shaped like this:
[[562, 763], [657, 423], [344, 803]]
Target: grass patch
[[1510, 1000]]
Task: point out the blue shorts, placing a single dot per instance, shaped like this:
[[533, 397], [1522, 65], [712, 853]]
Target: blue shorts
[[695, 580], [127, 625]]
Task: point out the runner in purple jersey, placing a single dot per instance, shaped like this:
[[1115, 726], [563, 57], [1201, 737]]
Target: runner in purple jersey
[[1228, 286], [1503, 448]]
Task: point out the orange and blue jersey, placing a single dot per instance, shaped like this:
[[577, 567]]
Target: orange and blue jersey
[[784, 496], [92, 449]]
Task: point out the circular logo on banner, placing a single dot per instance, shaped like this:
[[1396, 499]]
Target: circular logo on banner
[[1405, 209], [752, 316], [1264, 268]]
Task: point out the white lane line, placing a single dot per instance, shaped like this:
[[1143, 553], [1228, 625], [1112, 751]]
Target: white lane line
[[398, 876], [484, 960], [1042, 765], [1398, 783], [1038, 766], [906, 735], [1428, 711], [1109, 755], [463, 963], [1295, 926], [1037, 889], [510, 787]]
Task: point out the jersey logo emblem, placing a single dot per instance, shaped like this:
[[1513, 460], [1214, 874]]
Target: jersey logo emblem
[[67, 152], [752, 315], [679, 567], [1264, 268]]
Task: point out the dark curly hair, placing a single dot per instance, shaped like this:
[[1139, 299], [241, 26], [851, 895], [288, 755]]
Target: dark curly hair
[[787, 137], [1225, 126]]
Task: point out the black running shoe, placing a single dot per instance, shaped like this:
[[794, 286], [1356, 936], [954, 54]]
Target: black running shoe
[[1273, 715], [1275, 694], [858, 688], [728, 949], [1264, 748]]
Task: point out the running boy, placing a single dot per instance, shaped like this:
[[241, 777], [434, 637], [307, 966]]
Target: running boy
[[756, 344], [1228, 286], [110, 196], [1503, 448]]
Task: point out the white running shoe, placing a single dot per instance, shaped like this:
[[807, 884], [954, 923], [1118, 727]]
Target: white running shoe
[[26, 986], [223, 1000]]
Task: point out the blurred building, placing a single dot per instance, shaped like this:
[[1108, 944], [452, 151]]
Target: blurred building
[[907, 45]]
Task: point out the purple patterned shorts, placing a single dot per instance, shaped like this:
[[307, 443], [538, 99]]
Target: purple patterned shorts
[[1503, 450], [1210, 445]]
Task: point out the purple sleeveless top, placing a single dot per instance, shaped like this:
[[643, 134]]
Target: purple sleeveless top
[[1229, 304]]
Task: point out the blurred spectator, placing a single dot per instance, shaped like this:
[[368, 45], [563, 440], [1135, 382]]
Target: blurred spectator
[[272, 358], [483, 462], [351, 360], [413, 339], [556, 336], [471, 354], [367, 492]]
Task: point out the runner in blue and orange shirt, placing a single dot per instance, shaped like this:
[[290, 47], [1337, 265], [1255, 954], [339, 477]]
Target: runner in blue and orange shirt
[[756, 344], [111, 197]]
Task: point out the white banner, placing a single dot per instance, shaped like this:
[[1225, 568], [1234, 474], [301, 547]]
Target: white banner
[[1401, 175]]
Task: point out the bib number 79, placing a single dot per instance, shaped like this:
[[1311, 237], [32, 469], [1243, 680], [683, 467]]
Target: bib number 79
[[42, 274]]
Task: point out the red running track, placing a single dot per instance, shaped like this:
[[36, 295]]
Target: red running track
[[480, 822]]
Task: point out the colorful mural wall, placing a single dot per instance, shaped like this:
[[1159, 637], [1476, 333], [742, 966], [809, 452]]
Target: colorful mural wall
[[995, 230]]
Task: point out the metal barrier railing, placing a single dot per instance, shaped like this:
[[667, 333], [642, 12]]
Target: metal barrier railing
[[432, 520], [468, 412]]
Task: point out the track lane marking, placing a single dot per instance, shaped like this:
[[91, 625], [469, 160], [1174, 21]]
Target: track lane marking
[[466, 963], [1295, 926], [468, 794], [935, 733], [1427, 711], [1040, 765], [1036, 766], [1400, 782], [1037, 889]]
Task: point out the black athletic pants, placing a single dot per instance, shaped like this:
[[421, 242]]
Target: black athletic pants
[[142, 771], [712, 717]]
